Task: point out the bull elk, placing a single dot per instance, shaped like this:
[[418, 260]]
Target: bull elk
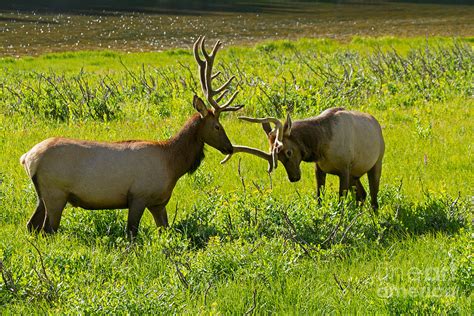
[[127, 174], [345, 143]]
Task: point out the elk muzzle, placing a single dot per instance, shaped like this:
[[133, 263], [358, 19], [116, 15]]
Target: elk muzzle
[[294, 178], [293, 172], [228, 149]]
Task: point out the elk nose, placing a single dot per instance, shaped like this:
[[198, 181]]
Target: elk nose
[[294, 178], [228, 150]]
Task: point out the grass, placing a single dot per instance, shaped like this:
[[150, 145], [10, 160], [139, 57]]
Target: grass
[[240, 242]]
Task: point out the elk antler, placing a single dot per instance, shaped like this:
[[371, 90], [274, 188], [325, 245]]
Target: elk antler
[[278, 125], [206, 76], [278, 131], [253, 151]]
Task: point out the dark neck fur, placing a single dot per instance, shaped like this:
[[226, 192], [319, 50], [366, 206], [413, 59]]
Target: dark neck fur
[[188, 148], [312, 136], [197, 162]]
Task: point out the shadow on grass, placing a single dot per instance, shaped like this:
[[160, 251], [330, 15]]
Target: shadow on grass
[[101, 227], [303, 221]]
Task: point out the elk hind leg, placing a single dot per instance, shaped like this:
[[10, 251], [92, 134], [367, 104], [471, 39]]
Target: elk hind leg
[[54, 202], [36, 222], [374, 182]]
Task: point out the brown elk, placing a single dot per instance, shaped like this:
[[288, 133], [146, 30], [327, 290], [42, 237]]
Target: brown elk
[[340, 142], [128, 174]]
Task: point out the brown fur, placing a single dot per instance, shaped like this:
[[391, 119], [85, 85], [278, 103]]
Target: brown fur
[[344, 143], [131, 174]]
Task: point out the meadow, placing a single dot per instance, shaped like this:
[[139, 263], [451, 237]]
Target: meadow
[[242, 241]]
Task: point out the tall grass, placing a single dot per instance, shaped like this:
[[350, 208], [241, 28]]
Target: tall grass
[[300, 81], [241, 242]]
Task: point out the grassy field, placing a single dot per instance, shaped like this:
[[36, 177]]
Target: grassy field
[[240, 241]]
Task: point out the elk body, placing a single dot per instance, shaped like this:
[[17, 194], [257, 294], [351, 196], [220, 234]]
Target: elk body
[[345, 143], [129, 174]]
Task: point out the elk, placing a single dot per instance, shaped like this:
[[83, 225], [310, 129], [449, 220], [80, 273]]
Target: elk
[[127, 174], [345, 143]]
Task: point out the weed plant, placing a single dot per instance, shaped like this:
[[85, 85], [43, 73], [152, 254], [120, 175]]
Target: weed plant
[[241, 241]]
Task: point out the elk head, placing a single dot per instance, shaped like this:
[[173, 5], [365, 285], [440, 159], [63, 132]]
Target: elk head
[[212, 132], [283, 146]]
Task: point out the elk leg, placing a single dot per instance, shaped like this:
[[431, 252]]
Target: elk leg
[[135, 212], [54, 203], [374, 182], [352, 185], [38, 218], [36, 222], [360, 191], [159, 215], [344, 182], [320, 182]]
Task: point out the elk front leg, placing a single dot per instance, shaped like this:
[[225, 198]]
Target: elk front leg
[[320, 182], [344, 183], [159, 215], [135, 212]]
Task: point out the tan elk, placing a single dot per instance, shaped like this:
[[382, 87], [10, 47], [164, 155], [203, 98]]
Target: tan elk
[[345, 143], [128, 174]]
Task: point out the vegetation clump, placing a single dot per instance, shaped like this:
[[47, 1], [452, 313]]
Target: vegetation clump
[[242, 241]]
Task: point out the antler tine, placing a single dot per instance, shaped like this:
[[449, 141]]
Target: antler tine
[[201, 63], [273, 120], [223, 94], [233, 108], [276, 148], [206, 75], [217, 45], [196, 44], [253, 151], [231, 99], [277, 143], [224, 86], [222, 90], [278, 124], [208, 72]]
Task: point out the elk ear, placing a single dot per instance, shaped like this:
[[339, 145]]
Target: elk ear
[[199, 105], [267, 128], [287, 126]]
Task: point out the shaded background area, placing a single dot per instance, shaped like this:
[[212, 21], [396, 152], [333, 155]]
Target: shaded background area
[[36, 27]]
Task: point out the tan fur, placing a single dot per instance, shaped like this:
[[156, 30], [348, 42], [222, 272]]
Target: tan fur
[[104, 175], [345, 143], [356, 143], [129, 174]]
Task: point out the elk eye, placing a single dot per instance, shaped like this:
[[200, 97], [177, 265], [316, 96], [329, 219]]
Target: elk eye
[[289, 153], [217, 127]]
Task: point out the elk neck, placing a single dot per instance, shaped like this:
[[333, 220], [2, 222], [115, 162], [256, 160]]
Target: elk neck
[[187, 147], [312, 136]]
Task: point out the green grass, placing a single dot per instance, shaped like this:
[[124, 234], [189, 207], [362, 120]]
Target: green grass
[[240, 242]]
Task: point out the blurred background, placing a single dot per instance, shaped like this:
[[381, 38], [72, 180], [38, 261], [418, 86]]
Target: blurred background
[[32, 27]]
